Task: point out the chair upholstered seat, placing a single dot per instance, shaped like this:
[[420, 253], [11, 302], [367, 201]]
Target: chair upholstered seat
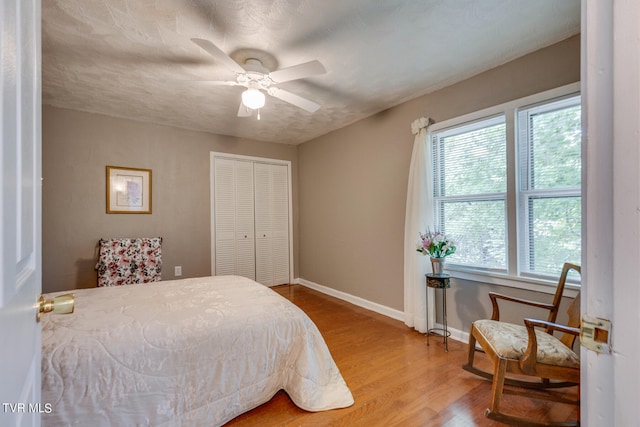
[[510, 342]]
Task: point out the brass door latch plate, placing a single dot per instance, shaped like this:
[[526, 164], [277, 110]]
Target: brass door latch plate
[[595, 334]]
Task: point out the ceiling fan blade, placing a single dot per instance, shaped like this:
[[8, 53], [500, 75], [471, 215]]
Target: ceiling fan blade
[[243, 111], [206, 82], [300, 71], [294, 99], [218, 54], [216, 82]]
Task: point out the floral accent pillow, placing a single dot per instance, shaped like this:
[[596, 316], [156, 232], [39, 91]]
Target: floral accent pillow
[[129, 261]]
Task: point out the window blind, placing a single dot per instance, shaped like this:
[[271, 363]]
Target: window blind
[[549, 150], [469, 191]]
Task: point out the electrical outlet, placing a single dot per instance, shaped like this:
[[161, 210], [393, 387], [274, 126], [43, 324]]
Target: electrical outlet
[[177, 270]]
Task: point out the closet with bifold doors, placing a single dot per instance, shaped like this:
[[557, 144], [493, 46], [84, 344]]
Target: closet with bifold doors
[[251, 218]]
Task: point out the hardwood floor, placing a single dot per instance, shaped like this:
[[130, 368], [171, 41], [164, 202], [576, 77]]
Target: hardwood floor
[[395, 378]]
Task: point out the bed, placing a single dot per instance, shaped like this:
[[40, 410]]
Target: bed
[[191, 352]]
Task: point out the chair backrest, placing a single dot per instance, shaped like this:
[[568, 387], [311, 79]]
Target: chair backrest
[[553, 313], [574, 308], [574, 321], [129, 261]]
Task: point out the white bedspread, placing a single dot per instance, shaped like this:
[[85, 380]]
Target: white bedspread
[[192, 352]]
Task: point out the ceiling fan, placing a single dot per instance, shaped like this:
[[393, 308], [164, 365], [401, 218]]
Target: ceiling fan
[[254, 76]]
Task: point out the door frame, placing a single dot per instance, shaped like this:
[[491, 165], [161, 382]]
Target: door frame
[[255, 159]]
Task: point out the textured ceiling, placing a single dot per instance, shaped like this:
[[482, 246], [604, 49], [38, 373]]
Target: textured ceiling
[[134, 58]]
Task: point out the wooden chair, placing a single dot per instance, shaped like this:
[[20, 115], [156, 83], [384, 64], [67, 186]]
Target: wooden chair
[[525, 351]]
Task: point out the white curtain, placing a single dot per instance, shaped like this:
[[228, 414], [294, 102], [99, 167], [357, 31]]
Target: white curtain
[[418, 216]]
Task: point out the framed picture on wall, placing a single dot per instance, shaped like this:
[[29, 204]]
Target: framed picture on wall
[[128, 190]]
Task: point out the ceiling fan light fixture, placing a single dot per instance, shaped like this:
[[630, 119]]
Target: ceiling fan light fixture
[[253, 98]]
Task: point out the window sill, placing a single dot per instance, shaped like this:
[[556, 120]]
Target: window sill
[[531, 284]]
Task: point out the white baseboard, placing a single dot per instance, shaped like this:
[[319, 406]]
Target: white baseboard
[[456, 334], [360, 302]]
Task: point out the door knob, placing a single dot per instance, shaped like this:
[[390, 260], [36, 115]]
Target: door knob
[[62, 304]]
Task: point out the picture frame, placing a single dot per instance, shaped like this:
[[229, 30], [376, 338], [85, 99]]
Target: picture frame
[[128, 190]]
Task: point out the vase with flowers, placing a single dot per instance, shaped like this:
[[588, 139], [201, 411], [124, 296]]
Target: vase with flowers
[[437, 246]]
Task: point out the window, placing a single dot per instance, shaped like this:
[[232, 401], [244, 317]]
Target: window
[[470, 186], [507, 185], [549, 204]]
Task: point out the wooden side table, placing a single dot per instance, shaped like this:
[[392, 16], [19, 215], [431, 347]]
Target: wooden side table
[[439, 281]]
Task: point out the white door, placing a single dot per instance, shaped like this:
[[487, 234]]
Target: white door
[[20, 210], [611, 94], [245, 243], [224, 211], [280, 223], [251, 218], [272, 223], [234, 218], [264, 252]]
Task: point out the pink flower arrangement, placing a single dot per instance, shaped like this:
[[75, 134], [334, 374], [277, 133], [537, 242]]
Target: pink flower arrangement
[[435, 244]]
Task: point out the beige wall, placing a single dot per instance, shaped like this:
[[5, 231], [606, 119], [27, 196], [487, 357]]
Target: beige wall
[[348, 211], [353, 184], [77, 146]]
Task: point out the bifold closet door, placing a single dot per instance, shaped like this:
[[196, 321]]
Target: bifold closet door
[[272, 223], [234, 218]]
